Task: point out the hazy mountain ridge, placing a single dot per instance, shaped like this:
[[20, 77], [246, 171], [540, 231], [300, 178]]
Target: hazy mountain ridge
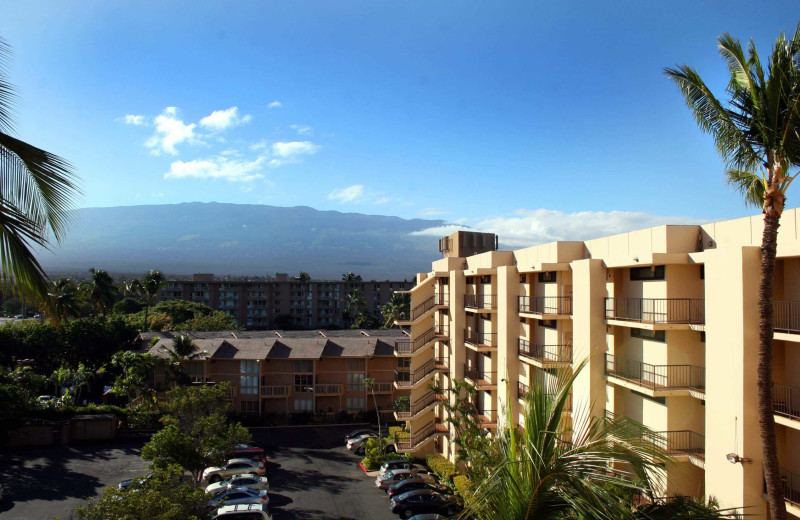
[[243, 239]]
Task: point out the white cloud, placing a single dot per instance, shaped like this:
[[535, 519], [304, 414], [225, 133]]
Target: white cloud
[[220, 120], [130, 119], [432, 212], [170, 132], [291, 149], [219, 167], [302, 129], [350, 194], [159, 194], [275, 104], [384, 200], [526, 227]]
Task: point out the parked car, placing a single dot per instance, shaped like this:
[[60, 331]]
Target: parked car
[[410, 484], [239, 496], [47, 400], [357, 444], [396, 475], [428, 516], [425, 501], [133, 482], [245, 480], [357, 433], [243, 512], [245, 451], [231, 468], [401, 464]]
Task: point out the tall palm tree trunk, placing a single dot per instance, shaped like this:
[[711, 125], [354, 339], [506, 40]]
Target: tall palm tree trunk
[[766, 417]]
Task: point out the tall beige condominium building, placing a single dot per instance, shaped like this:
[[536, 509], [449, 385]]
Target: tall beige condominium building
[[666, 319]]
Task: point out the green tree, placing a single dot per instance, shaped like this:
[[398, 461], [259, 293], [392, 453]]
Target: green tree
[[64, 300], [397, 308], [369, 385], [186, 405], [12, 306], [69, 383], [181, 351], [354, 305], [151, 284], [128, 305], [28, 383], [101, 291], [756, 134], [304, 276], [351, 277], [163, 497], [136, 373], [39, 190]]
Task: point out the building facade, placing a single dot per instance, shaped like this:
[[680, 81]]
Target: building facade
[[665, 320], [281, 302], [282, 372]]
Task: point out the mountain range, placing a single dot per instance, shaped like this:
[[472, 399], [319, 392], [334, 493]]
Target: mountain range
[[242, 239]]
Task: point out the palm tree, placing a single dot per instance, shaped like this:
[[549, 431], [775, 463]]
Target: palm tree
[[37, 192], [101, 291], [369, 385], [146, 290], [183, 349], [756, 133], [63, 300], [397, 308], [354, 305]]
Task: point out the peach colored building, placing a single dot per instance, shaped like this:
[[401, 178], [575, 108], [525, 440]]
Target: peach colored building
[[667, 320], [296, 371]]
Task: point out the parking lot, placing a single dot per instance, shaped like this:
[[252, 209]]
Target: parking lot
[[311, 474]]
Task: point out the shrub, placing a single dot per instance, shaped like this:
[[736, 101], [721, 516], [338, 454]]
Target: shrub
[[373, 458], [463, 486], [441, 466], [395, 430]]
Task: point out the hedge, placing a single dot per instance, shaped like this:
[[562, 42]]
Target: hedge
[[463, 486], [373, 458], [445, 469]]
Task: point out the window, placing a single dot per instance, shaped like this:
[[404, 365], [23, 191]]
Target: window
[[652, 335], [702, 271], [445, 281], [403, 362], [249, 407], [248, 381], [655, 272], [703, 336], [304, 365], [548, 324], [470, 279], [356, 404], [356, 365], [303, 383], [522, 320], [548, 277], [194, 369], [523, 278], [486, 278], [355, 382], [303, 405]]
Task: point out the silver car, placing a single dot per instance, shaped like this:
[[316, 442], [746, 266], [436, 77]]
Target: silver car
[[245, 480], [239, 496], [396, 475], [231, 468]]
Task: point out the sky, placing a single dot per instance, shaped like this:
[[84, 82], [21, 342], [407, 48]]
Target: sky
[[535, 120]]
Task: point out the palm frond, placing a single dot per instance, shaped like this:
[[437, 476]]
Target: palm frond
[[750, 185], [8, 94]]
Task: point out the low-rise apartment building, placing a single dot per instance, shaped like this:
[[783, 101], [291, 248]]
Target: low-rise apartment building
[[281, 302], [280, 372], [666, 320]]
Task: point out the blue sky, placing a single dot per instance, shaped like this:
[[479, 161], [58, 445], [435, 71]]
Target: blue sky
[[415, 109]]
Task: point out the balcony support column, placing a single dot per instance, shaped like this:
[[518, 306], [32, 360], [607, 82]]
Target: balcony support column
[[508, 364], [458, 322], [589, 335]]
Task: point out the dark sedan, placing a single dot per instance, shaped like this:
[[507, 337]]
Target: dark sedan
[[425, 501], [411, 484]]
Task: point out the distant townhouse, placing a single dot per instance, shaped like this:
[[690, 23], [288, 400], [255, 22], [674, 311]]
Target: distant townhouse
[[282, 302]]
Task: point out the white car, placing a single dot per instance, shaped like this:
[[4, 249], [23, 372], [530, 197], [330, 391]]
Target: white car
[[239, 496], [401, 464], [231, 468], [394, 476], [245, 480], [357, 444], [243, 512]]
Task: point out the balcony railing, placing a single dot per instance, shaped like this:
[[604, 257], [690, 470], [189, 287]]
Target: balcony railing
[[522, 390], [407, 441], [545, 353], [441, 330], [274, 391], [383, 388], [480, 339], [487, 416], [673, 442], [546, 304], [791, 486], [422, 308], [480, 301], [419, 405], [787, 317], [657, 310], [481, 377], [420, 373], [786, 400], [411, 345], [300, 389], [657, 377], [442, 298], [328, 389]]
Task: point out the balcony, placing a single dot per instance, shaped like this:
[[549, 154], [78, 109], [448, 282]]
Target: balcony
[[327, 389], [546, 307], [441, 331], [480, 341], [545, 356], [657, 380], [275, 391], [487, 419], [415, 377], [480, 302], [676, 443], [786, 320], [442, 299], [428, 400], [383, 388], [483, 380], [657, 313], [791, 489], [523, 390], [418, 311], [409, 346], [786, 405], [406, 442]]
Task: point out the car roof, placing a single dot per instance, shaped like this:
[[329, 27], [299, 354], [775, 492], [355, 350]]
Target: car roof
[[419, 492], [235, 461], [396, 461], [241, 507]]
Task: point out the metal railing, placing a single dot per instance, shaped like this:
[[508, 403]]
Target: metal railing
[[786, 316], [417, 375], [791, 486], [441, 330], [545, 353], [487, 416], [480, 301], [419, 405], [673, 442], [657, 310], [481, 376], [786, 400], [383, 388], [328, 389], [274, 391], [546, 304], [480, 339], [411, 345], [656, 377], [522, 390], [442, 298], [422, 308], [407, 441], [299, 389]]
